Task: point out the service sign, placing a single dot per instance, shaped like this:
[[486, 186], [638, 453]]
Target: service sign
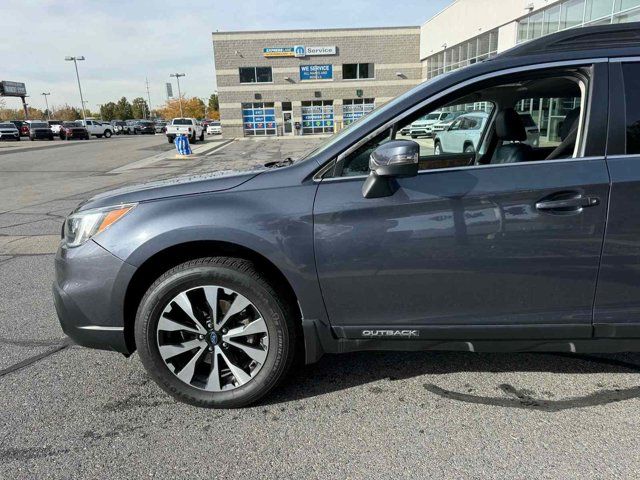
[[316, 72], [314, 51], [298, 51], [12, 89]]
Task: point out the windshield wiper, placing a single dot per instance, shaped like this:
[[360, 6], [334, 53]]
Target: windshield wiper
[[279, 163]]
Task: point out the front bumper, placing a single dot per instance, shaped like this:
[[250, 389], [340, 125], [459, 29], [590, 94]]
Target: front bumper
[[42, 135], [421, 132], [13, 136], [89, 290]]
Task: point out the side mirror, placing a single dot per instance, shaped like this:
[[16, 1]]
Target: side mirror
[[397, 158]]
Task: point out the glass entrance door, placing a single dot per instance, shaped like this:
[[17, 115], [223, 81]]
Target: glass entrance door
[[287, 123]]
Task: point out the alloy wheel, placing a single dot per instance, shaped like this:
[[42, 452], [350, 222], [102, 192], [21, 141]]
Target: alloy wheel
[[212, 338]]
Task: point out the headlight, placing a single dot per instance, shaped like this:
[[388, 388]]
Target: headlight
[[81, 226]]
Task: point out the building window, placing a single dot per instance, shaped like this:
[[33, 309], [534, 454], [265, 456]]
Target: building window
[[317, 117], [572, 14], [577, 13], [259, 118], [357, 71], [353, 109], [255, 75], [466, 53]]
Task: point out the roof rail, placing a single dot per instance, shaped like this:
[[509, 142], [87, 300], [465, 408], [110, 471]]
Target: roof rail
[[581, 38]]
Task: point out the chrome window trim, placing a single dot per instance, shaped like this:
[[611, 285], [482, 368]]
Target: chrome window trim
[[623, 155], [624, 59], [471, 81], [489, 165]]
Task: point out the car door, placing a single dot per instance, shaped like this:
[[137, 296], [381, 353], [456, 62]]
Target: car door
[[617, 305], [483, 251]]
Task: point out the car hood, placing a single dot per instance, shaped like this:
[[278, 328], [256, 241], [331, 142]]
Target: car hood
[[184, 185]]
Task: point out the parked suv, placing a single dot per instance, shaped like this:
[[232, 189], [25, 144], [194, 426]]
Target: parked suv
[[463, 135], [371, 242], [9, 131], [423, 127], [22, 127], [39, 130]]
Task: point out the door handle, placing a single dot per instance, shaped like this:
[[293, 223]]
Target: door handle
[[568, 204]]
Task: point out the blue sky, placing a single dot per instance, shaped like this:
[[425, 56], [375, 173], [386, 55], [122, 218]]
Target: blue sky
[[126, 41]]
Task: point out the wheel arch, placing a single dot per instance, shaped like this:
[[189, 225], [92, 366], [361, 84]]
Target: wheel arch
[[172, 256]]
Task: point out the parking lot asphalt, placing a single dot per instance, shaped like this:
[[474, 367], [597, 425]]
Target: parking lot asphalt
[[70, 412]]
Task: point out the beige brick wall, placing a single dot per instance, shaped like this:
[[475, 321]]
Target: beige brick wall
[[392, 50]]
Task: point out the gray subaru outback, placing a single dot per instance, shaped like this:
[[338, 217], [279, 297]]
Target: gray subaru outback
[[372, 242]]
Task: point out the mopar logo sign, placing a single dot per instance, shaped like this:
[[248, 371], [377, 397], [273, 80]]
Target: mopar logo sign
[[299, 51]]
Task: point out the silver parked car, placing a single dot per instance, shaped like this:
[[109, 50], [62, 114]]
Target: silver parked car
[[463, 135]]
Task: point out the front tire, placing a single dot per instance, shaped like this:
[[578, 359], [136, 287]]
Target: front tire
[[107, 134], [437, 149], [214, 332]]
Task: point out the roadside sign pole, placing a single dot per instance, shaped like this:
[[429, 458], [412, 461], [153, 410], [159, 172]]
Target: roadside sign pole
[[24, 107], [75, 62], [46, 102], [178, 75]]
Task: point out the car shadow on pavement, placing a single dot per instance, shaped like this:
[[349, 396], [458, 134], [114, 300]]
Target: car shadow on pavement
[[339, 372]]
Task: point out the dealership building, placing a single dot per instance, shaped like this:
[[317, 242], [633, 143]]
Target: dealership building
[[271, 82]]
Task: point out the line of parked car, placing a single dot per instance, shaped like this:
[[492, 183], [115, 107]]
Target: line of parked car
[[85, 129]]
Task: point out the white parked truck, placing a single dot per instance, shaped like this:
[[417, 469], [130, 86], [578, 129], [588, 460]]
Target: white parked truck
[[96, 128], [190, 127]]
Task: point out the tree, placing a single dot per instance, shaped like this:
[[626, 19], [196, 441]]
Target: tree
[[139, 107], [67, 113], [108, 111], [191, 107], [123, 110], [214, 105]]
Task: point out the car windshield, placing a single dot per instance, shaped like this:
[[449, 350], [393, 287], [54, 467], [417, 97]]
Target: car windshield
[[70, 124], [7, 125], [55, 122], [39, 125], [181, 121], [215, 124], [432, 116]]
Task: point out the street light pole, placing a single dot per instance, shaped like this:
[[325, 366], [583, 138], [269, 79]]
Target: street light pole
[[75, 61], [45, 95], [177, 77]]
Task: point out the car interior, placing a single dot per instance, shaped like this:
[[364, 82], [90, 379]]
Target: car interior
[[556, 100]]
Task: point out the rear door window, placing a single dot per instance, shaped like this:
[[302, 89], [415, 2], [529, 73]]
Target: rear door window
[[631, 75]]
